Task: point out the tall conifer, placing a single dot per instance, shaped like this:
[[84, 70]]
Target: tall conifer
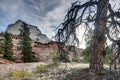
[[8, 45], [27, 53]]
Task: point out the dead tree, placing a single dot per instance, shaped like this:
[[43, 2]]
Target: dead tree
[[96, 15]]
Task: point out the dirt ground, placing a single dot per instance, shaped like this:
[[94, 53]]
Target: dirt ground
[[70, 71]]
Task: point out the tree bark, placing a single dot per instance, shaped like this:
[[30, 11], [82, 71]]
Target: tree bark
[[99, 39]]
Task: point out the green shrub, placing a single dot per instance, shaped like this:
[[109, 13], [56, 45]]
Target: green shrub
[[23, 74], [107, 56], [75, 60], [55, 59], [86, 58], [86, 55], [2, 78], [1, 47], [41, 69], [60, 57], [107, 59], [63, 56]]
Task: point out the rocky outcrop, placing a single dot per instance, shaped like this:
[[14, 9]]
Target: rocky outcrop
[[3, 61], [35, 33]]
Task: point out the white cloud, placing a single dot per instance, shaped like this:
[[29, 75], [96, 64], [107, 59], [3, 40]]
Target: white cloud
[[41, 13], [56, 16]]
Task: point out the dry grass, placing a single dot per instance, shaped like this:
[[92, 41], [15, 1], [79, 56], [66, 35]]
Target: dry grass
[[65, 71]]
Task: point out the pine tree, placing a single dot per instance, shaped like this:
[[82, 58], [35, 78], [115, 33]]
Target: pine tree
[[1, 46], [8, 52], [27, 53]]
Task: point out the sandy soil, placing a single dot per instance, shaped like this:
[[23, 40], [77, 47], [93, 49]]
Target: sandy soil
[[5, 68]]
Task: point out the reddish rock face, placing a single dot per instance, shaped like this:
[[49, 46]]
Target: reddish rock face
[[42, 50], [3, 61], [50, 45]]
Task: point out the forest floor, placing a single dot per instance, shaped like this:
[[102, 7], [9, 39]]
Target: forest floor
[[64, 71]]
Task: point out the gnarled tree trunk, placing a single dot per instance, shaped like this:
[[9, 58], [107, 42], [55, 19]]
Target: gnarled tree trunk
[[99, 39]]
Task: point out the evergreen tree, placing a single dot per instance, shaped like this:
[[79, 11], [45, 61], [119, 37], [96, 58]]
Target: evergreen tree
[[27, 54], [8, 52], [1, 46]]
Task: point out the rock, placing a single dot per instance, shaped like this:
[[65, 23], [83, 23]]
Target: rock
[[3, 61], [35, 33]]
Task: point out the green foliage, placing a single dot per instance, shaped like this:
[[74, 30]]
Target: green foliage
[[54, 53], [107, 57], [76, 60], [63, 56], [57, 57], [56, 60], [8, 52], [86, 55], [23, 74], [108, 51], [1, 49], [41, 69], [88, 40], [28, 55], [1, 46]]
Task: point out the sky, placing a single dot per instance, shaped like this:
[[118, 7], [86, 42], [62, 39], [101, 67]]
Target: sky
[[42, 13], [45, 14]]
